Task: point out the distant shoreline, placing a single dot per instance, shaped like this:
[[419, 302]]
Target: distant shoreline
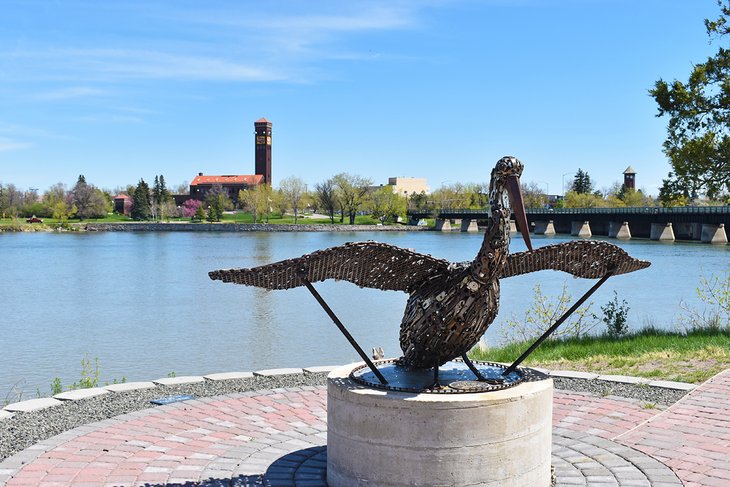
[[240, 227]]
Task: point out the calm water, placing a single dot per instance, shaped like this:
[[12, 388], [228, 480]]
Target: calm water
[[144, 305]]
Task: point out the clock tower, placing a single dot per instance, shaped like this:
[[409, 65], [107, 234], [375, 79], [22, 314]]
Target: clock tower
[[263, 149]]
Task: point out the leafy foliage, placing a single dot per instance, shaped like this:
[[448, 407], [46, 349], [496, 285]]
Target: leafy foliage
[[543, 313], [294, 192], [698, 136], [386, 205], [615, 316], [257, 200], [352, 192], [714, 292], [89, 201]]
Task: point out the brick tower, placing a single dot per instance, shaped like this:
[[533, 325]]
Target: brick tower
[[263, 148], [629, 178]]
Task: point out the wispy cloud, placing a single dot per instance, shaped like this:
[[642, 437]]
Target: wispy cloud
[[70, 92], [111, 119], [10, 144]]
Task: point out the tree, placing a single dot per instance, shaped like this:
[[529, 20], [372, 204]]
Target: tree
[[455, 196], [698, 135], [199, 214], [582, 183], [294, 191], [386, 205], [533, 196], [352, 191], [257, 200], [189, 207], [59, 203], [217, 201], [326, 194], [141, 209], [89, 200], [583, 200]]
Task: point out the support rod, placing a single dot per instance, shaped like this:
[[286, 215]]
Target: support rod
[[560, 321], [303, 276]]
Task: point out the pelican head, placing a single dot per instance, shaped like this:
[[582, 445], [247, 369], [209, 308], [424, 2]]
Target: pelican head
[[506, 194]]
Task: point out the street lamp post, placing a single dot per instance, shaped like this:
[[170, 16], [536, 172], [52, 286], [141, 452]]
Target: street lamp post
[[563, 182]]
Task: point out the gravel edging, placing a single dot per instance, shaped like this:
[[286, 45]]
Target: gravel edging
[[24, 429]]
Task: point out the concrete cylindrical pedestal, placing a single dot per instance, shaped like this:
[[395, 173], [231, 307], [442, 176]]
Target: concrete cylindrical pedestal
[[385, 438]]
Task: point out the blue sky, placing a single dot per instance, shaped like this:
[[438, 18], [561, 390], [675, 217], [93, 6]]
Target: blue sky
[[123, 90]]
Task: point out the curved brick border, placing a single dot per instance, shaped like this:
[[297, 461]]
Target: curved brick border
[[236, 439], [276, 437]]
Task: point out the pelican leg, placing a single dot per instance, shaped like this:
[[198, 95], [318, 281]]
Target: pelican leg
[[472, 367], [436, 384]]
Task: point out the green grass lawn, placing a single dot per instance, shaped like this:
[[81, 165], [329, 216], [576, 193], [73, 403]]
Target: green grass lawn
[[692, 357]]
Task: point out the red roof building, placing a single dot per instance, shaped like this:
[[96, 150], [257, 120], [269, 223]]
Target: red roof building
[[231, 184], [234, 183]]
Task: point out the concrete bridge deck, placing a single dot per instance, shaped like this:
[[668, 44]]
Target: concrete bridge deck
[[707, 224]]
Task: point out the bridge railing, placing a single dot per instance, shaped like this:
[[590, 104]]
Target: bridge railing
[[633, 210]]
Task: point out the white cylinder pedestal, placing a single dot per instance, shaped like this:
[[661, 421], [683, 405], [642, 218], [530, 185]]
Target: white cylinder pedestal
[[386, 438]]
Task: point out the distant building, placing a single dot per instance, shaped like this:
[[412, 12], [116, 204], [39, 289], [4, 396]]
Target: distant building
[[122, 204], [408, 186], [630, 178], [233, 183]]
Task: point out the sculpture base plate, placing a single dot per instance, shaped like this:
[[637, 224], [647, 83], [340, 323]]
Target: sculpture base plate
[[454, 377]]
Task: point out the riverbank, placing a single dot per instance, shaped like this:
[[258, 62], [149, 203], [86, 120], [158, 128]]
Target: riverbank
[[208, 227], [693, 356], [241, 227]]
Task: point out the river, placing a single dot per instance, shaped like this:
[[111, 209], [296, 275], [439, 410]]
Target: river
[[142, 303]]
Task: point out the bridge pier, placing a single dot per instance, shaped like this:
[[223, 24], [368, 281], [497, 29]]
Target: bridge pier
[[581, 229], [662, 231], [544, 228], [619, 230], [468, 225], [714, 234], [443, 225]]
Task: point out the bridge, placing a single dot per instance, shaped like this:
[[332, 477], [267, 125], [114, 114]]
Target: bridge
[[704, 223]]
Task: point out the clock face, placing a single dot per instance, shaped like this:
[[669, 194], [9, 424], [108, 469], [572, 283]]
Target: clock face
[[260, 140], [268, 140]]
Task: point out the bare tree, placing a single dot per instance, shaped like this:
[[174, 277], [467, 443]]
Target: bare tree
[[327, 196]]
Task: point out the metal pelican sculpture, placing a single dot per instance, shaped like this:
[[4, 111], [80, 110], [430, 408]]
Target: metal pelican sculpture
[[450, 305]]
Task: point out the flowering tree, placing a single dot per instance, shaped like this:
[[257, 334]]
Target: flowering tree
[[189, 207]]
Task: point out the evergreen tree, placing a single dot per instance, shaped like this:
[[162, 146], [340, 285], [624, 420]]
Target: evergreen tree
[[141, 209], [582, 183], [164, 192], [156, 191]]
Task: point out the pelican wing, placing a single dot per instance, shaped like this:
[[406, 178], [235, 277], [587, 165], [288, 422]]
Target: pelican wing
[[367, 264], [581, 258]]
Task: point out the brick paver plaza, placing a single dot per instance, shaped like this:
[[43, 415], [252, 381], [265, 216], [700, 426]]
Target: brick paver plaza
[[277, 438]]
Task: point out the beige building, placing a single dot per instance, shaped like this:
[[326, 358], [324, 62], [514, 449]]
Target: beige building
[[408, 186]]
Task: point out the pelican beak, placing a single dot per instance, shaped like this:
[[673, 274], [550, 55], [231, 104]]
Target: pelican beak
[[515, 196]]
